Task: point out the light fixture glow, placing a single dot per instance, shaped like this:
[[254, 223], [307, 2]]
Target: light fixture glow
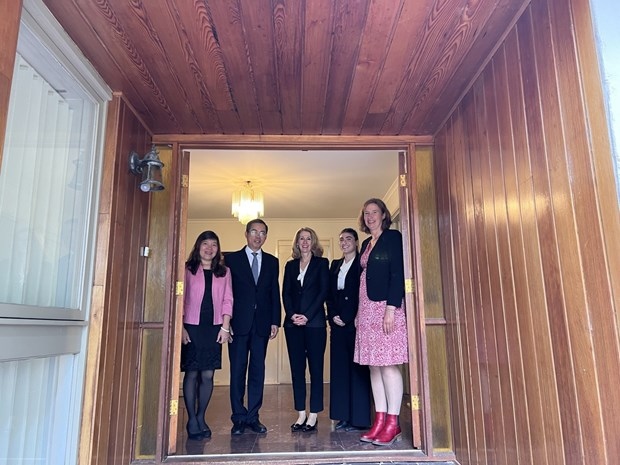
[[247, 203]]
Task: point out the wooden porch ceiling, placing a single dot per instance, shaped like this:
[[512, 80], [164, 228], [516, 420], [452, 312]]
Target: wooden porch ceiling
[[329, 67]]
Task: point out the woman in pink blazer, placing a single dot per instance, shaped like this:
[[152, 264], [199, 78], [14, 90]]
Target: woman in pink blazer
[[207, 310]]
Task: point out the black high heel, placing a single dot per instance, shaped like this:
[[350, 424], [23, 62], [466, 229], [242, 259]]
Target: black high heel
[[205, 430], [310, 429], [296, 427], [195, 436]]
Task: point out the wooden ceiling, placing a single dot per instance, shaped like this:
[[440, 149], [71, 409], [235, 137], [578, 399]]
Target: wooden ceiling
[[331, 67]]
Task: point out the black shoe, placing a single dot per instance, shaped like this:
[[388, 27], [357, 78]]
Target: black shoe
[[296, 427], [194, 434], [351, 428], [257, 427], [206, 431], [238, 428], [310, 429], [342, 424]]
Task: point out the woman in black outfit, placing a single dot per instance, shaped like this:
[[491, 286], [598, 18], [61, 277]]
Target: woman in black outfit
[[304, 290], [349, 382]]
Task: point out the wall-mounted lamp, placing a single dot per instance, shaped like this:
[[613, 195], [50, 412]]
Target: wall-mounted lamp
[[149, 167]]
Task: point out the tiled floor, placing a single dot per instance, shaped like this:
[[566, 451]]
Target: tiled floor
[[278, 414]]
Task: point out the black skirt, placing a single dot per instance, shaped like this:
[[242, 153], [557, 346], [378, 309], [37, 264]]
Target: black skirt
[[203, 352]]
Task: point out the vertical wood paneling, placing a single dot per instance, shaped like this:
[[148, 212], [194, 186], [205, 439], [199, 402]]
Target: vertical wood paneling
[[442, 143], [533, 331], [535, 229], [492, 182], [486, 335], [526, 264], [112, 358], [511, 264]]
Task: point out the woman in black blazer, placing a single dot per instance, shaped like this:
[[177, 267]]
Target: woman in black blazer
[[381, 340], [349, 385], [304, 290]]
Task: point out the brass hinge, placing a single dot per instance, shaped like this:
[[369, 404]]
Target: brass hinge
[[185, 180], [408, 286], [174, 407], [415, 402], [403, 180], [179, 288]]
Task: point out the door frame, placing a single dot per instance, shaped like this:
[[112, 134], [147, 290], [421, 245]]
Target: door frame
[[418, 379]]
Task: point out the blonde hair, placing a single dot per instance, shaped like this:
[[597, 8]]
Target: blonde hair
[[316, 248]]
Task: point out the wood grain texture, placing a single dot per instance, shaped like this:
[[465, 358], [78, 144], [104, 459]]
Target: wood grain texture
[[375, 67], [113, 353], [527, 259]]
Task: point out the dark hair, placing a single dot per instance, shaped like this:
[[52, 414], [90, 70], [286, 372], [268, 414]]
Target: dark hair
[[217, 265], [248, 226], [353, 232], [316, 248], [387, 221]]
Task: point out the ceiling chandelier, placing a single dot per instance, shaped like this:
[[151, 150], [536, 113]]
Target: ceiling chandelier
[[247, 203]]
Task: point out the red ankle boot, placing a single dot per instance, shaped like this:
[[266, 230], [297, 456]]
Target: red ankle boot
[[377, 426], [390, 432]]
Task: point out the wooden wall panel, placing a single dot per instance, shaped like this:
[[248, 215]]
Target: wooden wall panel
[[524, 177], [111, 385]]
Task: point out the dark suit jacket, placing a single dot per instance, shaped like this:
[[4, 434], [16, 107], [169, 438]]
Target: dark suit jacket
[[385, 272], [257, 304], [344, 302], [308, 300]]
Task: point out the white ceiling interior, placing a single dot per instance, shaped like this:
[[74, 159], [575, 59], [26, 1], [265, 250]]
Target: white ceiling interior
[[295, 183]]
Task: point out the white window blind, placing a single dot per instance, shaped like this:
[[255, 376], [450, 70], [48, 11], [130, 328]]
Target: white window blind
[[43, 202]]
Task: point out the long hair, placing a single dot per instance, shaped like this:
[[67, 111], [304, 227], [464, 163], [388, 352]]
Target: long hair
[[193, 261], [387, 221], [316, 248]]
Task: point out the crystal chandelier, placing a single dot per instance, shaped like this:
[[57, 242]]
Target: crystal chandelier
[[247, 203]]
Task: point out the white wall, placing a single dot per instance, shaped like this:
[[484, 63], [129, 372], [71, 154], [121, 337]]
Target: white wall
[[231, 232]]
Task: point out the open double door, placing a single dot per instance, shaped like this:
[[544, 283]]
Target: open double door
[[408, 221]]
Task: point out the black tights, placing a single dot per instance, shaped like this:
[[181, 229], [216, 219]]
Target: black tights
[[197, 390]]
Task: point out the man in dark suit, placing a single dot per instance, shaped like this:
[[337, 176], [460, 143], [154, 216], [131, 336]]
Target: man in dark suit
[[256, 319]]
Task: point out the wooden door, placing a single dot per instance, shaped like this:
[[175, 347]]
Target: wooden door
[[176, 317], [414, 303]]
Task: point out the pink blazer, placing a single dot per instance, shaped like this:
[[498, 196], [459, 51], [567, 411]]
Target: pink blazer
[[194, 291]]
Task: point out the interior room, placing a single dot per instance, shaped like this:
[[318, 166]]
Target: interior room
[[320, 189]]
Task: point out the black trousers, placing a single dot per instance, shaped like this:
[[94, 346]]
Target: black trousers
[[306, 345], [349, 388], [247, 356]]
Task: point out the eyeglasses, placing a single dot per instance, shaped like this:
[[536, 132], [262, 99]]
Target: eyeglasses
[[256, 232]]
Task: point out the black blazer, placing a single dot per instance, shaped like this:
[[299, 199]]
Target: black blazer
[[308, 300], [254, 304], [344, 302], [385, 271]]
